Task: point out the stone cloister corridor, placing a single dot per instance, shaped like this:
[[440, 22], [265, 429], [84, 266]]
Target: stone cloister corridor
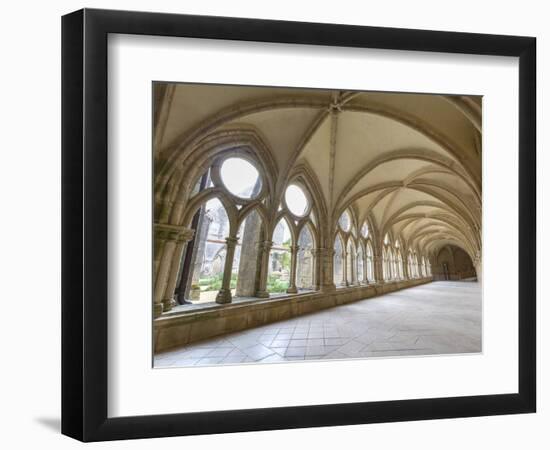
[[314, 223], [438, 318]]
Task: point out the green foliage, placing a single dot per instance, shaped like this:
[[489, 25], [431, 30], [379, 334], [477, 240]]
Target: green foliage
[[215, 283], [285, 261], [275, 285]]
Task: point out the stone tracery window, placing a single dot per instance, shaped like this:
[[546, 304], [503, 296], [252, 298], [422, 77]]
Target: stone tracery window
[[278, 280], [399, 265], [305, 276], [424, 267], [360, 264], [213, 266], [365, 229], [410, 265], [301, 215], [344, 221], [338, 264], [240, 177], [370, 263], [385, 264], [296, 200], [350, 262], [207, 259]]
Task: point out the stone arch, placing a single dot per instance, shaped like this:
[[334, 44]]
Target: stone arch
[[351, 255], [306, 258], [173, 191], [339, 259]]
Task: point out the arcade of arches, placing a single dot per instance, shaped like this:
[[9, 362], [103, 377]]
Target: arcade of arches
[[270, 203]]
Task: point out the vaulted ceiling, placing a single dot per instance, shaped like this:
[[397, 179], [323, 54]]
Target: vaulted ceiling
[[410, 163]]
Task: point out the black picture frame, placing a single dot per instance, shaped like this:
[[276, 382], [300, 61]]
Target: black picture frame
[[84, 224]]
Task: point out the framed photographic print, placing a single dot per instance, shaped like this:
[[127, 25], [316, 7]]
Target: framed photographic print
[[273, 224]]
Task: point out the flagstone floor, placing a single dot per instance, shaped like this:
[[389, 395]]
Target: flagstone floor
[[438, 318]]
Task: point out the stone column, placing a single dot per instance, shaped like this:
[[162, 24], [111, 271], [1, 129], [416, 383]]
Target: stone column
[[365, 269], [159, 241], [317, 260], [224, 295], [478, 267], [248, 262], [378, 270], [170, 241], [326, 269], [293, 259], [353, 268], [344, 281], [265, 249], [181, 239]]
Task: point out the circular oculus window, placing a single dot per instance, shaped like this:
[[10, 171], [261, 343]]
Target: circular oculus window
[[296, 200], [344, 221], [240, 178]]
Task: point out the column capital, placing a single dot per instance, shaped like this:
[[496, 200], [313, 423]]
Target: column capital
[[266, 245], [231, 241], [324, 251], [173, 232]]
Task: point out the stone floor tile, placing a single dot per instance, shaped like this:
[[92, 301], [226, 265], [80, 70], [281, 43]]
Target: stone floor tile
[[295, 351], [284, 336], [273, 358], [301, 335], [196, 353], [315, 342], [316, 350], [236, 352], [298, 343], [336, 341], [258, 352], [267, 340], [209, 361], [352, 348], [234, 359], [315, 335], [220, 351], [439, 318], [279, 343]]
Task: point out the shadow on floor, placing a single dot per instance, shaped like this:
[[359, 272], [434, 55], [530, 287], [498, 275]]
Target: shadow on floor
[[52, 423]]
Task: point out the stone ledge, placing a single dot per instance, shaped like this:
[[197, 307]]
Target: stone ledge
[[185, 327]]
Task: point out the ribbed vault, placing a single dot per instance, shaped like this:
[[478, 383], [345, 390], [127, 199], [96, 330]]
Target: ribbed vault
[[408, 164]]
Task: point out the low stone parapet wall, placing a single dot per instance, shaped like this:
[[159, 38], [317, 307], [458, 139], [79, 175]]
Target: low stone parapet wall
[[185, 327]]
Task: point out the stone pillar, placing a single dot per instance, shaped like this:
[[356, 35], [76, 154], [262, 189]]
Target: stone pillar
[[353, 268], [378, 270], [317, 260], [478, 267], [293, 259], [326, 269], [265, 249], [170, 241], [344, 281], [365, 269], [159, 241], [168, 301], [224, 295], [248, 263]]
